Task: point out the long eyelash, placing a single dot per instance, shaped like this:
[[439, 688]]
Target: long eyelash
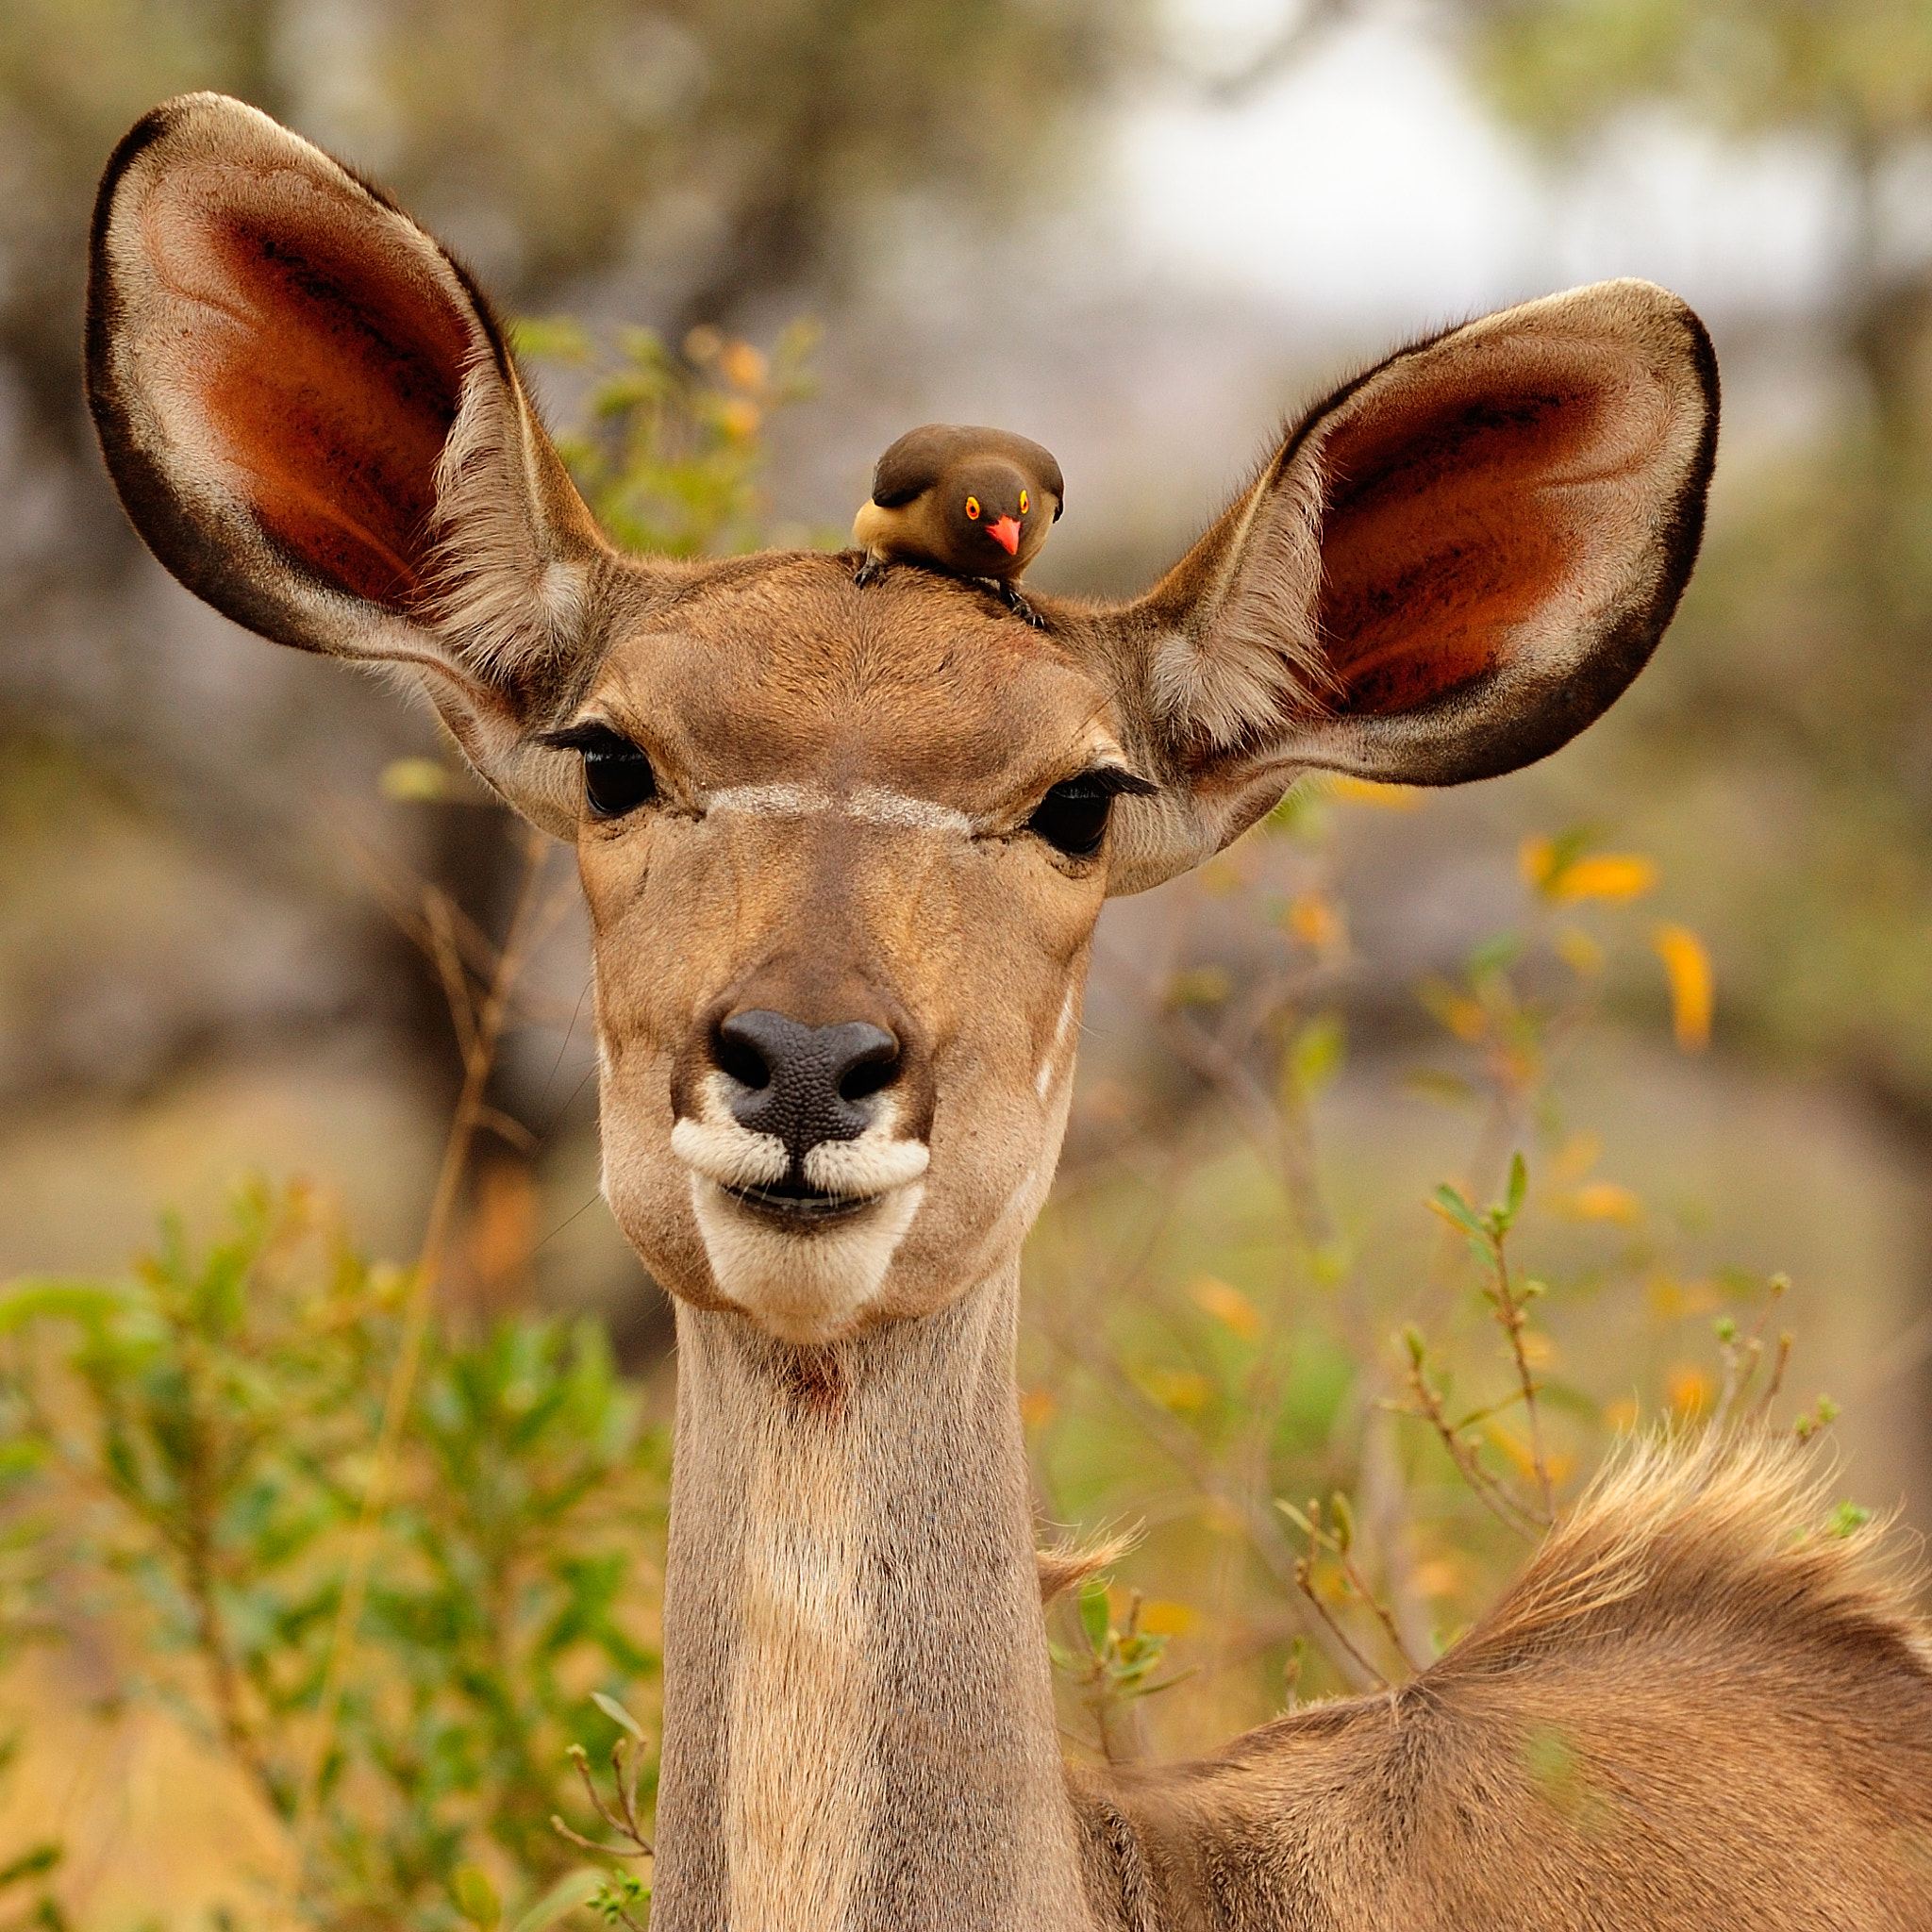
[[588, 737], [1116, 781]]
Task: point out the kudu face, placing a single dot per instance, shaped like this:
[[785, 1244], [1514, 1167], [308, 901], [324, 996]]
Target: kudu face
[[838, 976], [842, 894]]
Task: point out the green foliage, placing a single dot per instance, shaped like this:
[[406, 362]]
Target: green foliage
[[1225, 1317], [552, 140], [1114, 1666], [670, 458], [205, 1430], [1855, 69]]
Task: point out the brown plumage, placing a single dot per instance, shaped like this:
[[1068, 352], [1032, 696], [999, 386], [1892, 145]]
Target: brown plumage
[[976, 502]]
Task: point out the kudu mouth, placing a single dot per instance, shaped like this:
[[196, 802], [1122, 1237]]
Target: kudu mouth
[[799, 1123]]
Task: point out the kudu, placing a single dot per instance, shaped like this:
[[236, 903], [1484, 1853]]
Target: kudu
[[843, 848]]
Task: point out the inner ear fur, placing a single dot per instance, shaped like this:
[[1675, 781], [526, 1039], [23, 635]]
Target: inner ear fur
[[313, 421], [1447, 568]]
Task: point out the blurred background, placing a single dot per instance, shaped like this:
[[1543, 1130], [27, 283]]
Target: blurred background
[[1139, 231]]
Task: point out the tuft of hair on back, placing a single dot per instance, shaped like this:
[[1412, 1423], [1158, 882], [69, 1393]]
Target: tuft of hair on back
[[1067, 1565], [1732, 1531]]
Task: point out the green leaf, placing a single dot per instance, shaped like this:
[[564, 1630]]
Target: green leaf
[[476, 1897], [618, 1715], [30, 1864], [1493, 955], [572, 1890], [1847, 1520], [49, 1297], [1343, 1512], [1094, 1614], [1458, 1212], [1519, 1187], [1317, 1054]]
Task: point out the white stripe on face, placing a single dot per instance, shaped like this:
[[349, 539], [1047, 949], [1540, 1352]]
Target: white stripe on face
[[871, 804]]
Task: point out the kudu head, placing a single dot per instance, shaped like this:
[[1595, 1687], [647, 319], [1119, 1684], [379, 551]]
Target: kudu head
[[844, 847]]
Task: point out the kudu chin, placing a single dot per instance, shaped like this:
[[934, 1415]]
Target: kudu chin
[[843, 847]]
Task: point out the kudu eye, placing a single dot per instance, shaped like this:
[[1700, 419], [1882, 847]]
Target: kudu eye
[[617, 779], [617, 776], [1072, 818]]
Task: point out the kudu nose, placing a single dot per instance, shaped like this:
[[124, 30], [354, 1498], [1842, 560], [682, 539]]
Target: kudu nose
[[805, 1084]]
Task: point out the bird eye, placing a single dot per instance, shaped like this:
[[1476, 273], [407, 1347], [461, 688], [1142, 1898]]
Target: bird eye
[[617, 778], [973, 508], [1072, 818], [1023, 503]]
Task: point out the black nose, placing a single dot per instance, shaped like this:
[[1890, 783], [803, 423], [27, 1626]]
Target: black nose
[[805, 1084]]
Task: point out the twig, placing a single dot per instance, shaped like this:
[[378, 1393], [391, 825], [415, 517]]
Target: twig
[[1333, 1625], [1382, 1614], [1502, 1504], [526, 929], [1513, 1320], [1741, 1357], [623, 1821]]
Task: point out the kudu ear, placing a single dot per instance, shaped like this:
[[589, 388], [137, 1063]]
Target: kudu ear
[[314, 423], [1447, 570]]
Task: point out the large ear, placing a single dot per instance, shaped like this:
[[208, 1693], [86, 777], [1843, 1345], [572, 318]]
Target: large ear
[[1448, 569], [314, 423]]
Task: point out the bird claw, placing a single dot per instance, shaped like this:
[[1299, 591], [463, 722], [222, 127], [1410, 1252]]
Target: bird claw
[[870, 571], [1014, 599]]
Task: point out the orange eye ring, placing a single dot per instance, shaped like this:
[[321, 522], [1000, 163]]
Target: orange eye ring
[[973, 508], [1023, 503]]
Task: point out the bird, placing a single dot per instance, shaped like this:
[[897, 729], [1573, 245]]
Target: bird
[[974, 502]]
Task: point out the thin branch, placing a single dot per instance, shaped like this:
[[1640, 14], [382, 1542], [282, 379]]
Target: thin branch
[[1511, 1319], [1382, 1612], [1303, 1582], [526, 929], [1502, 1504]]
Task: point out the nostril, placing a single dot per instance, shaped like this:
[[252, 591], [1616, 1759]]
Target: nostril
[[877, 1070], [737, 1049]]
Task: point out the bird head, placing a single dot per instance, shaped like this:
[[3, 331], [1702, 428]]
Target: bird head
[[993, 505]]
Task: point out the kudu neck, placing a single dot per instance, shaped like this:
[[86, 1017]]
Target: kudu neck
[[858, 1725]]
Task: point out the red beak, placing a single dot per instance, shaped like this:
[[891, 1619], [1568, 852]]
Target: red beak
[[1006, 533]]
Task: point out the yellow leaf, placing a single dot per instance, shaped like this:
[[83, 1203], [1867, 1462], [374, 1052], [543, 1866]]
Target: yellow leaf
[[1513, 1447], [1579, 952], [1178, 1388], [1314, 920], [741, 417], [1671, 1300], [1575, 1157], [1367, 792], [1438, 1576], [1604, 1201], [1613, 875], [1689, 1391], [1687, 966], [1160, 1618], [415, 781], [1037, 1407], [1621, 1415], [1229, 1306], [1536, 859], [743, 366], [1538, 1350], [1463, 1016], [1199, 986]]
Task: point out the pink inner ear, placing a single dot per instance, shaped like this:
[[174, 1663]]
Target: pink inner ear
[[1463, 500], [330, 369]]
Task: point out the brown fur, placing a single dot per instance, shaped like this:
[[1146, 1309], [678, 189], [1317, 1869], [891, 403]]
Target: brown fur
[[1700, 1707], [1696, 1711]]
